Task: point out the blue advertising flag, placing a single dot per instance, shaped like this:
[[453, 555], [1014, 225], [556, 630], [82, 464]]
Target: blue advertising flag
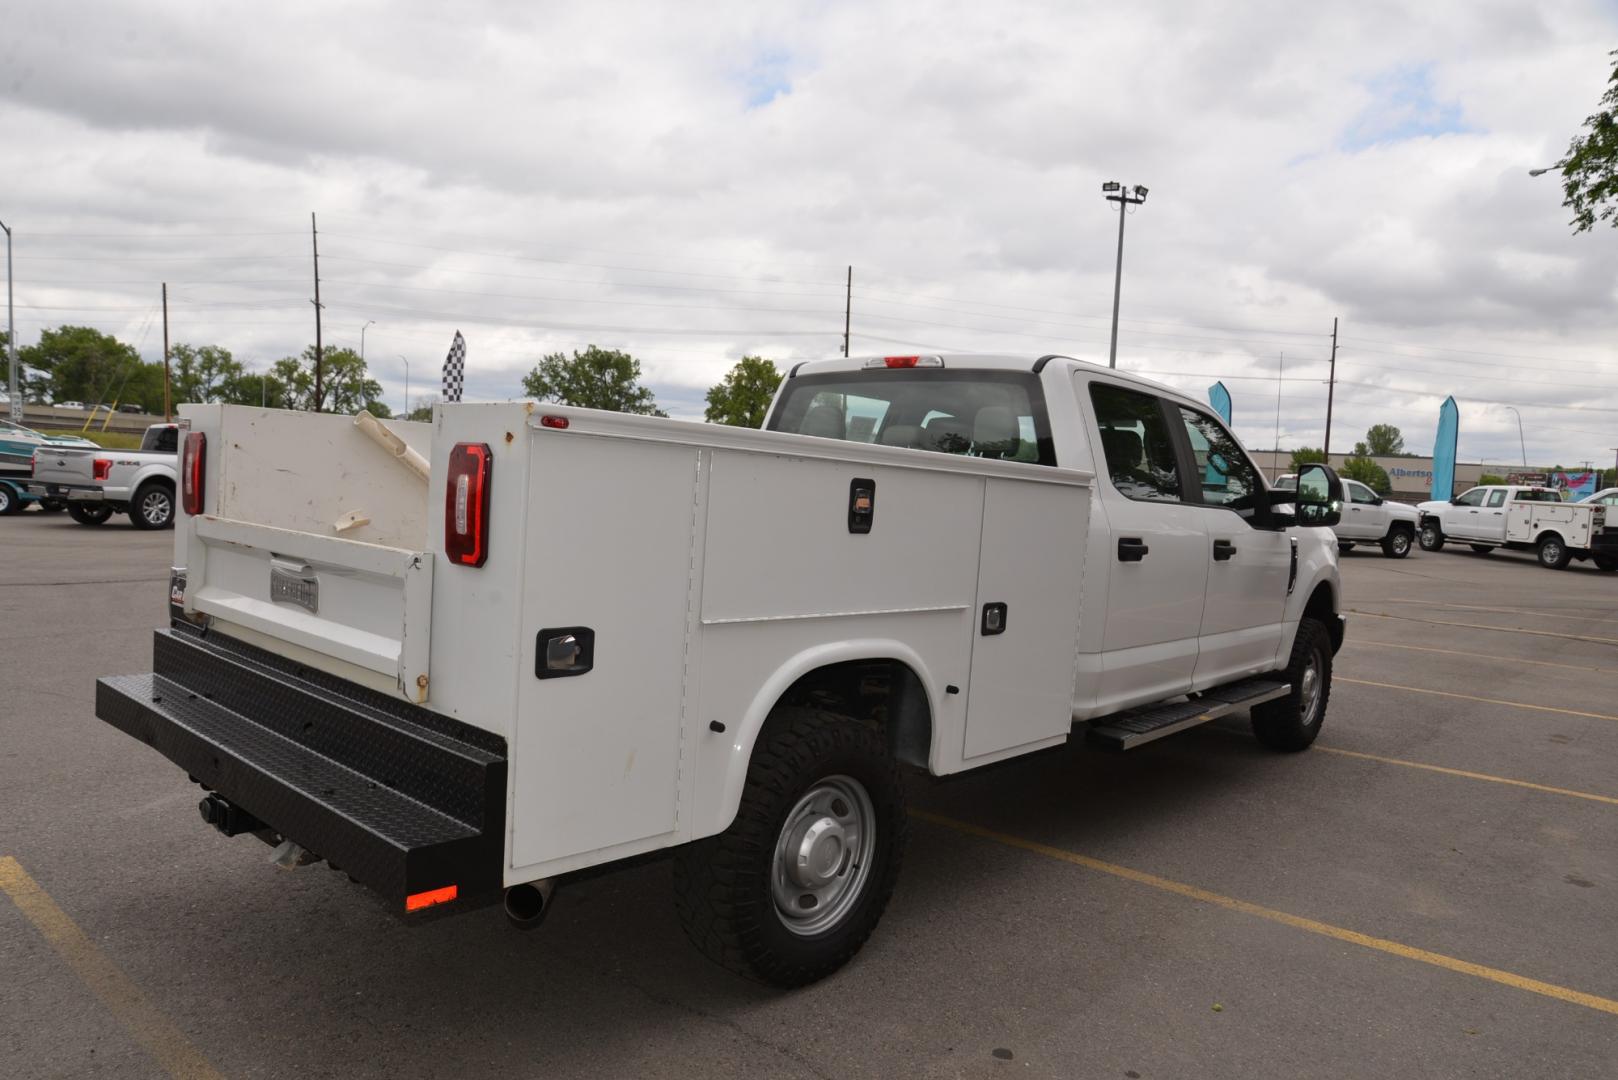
[[1219, 398], [1449, 431]]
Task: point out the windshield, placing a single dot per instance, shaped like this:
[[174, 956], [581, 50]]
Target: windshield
[[988, 414]]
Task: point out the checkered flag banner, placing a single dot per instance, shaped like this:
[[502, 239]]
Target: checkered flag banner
[[455, 369]]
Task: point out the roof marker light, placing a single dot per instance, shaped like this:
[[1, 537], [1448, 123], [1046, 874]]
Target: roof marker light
[[557, 422]]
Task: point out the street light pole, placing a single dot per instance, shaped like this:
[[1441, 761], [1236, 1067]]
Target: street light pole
[[1125, 197], [407, 385], [1522, 444], [11, 336]]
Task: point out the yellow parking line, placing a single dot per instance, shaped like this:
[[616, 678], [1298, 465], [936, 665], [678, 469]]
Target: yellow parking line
[[1480, 656], [1482, 626], [1469, 775], [148, 1026], [1353, 937], [1471, 697]]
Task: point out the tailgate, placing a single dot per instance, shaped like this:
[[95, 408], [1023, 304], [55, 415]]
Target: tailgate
[[64, 466], [365, 605]]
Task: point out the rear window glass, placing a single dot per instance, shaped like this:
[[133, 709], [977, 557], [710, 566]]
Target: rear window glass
[[988, 414]]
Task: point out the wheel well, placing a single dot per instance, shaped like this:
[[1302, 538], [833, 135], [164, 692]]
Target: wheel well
[[885, 692], [1547, 534], [1402, 526], [162, 481], [1322, 607]]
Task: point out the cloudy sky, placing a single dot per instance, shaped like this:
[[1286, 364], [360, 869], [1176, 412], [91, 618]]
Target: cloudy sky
[[689, 182]]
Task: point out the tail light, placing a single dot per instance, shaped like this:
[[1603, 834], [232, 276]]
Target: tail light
[[101, 468], [193, 459], [904, 362], [466, 504]]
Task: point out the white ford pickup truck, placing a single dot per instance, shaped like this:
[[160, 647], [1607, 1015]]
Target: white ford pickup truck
[[565, 638], [97, 483]]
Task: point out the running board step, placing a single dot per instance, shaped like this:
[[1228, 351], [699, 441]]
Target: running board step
[[1136, 727]]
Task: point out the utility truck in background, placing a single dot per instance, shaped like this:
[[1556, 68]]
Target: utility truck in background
[[466, 659], [1522, 519]]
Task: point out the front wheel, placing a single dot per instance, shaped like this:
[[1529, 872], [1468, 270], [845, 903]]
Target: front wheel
[[1431, 537], [1292, 722], [1553, 554], [1396, 545], [1481, 549], [153, 507], [789, 893], [89, 513]]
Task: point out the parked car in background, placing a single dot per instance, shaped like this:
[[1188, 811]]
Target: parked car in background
[[1524, 519], [97, 483], [69, 405], [1368, 518], [126, 407]]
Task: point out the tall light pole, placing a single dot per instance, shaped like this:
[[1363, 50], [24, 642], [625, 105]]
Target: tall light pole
[[407, 385], [1125, 197], [368, 322], [1522, 444], [11, 335]]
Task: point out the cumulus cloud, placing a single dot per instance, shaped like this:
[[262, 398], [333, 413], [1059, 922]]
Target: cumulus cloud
[[690, 183]]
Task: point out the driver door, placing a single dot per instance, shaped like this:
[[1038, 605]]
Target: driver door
[[1249, 563], [1460, 518], [1365, 518]]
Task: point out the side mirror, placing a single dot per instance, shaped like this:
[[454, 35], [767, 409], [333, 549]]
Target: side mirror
[[1320, 497]]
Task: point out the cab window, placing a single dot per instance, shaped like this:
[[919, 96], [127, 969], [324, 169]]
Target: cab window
[[1497, 498], [1472, 498], [1135, 441], [1359, 493], [1227, 478]]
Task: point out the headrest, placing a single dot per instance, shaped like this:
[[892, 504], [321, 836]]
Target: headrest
[[825, 421], [906, 435], [1123, 448], [995, 433]]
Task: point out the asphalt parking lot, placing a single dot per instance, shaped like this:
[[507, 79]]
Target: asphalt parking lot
[[1430, 891]]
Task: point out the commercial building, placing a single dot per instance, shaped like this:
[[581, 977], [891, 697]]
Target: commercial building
[[1411, 477]]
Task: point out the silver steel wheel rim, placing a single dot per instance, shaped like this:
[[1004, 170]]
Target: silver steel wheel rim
[[5, 497], [1309, 690], [1401, 542], [823, 856], [1550, 552], [155, 508], [1428, 535]]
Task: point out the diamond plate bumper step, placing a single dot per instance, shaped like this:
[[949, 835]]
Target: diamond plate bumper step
[[402, 799], [1136, 727]]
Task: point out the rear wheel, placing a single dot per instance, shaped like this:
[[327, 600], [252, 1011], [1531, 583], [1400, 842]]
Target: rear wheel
[[792, 889], [1396, 545], [9, 502], [1607, 563], [1292, 722], [1481, 549], [1431, 536], [152, 507], [1553, 554], [89, 513]]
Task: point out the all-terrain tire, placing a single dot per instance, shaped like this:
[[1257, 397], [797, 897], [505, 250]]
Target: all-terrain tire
[[1292, 722], [726, 886], [1553, 552], [1431, 537], [89, 515]]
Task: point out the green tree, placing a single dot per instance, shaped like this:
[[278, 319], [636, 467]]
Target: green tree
[[1491, 478], [200, 372], [1385, 440], [743, 397], [1307, 455], [252, 388], [1590, 166], [1359, 466], [347, 386], [79, 363], [592, 379]]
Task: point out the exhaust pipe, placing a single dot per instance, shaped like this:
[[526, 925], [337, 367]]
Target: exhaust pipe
[[528, 904]]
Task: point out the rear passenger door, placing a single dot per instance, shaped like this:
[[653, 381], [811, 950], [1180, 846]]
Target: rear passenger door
[[1150, 545], [1249, 560], [1491, 519]]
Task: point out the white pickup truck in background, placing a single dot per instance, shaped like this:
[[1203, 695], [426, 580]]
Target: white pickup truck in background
[[565, 638], [1522, 519], [1368, 518], [97, 482]]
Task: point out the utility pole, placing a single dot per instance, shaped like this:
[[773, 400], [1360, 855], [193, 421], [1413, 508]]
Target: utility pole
[[1331, 387], [1125, 197], [320, 353], [848, 308], [14, 390], [167, 405], [406, 363]]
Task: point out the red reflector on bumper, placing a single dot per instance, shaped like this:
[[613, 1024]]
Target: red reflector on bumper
[[417, 901]]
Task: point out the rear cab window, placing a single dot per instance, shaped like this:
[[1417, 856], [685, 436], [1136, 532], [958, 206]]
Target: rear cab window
[[998, 415], [1136, 444], [1538, 495]]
